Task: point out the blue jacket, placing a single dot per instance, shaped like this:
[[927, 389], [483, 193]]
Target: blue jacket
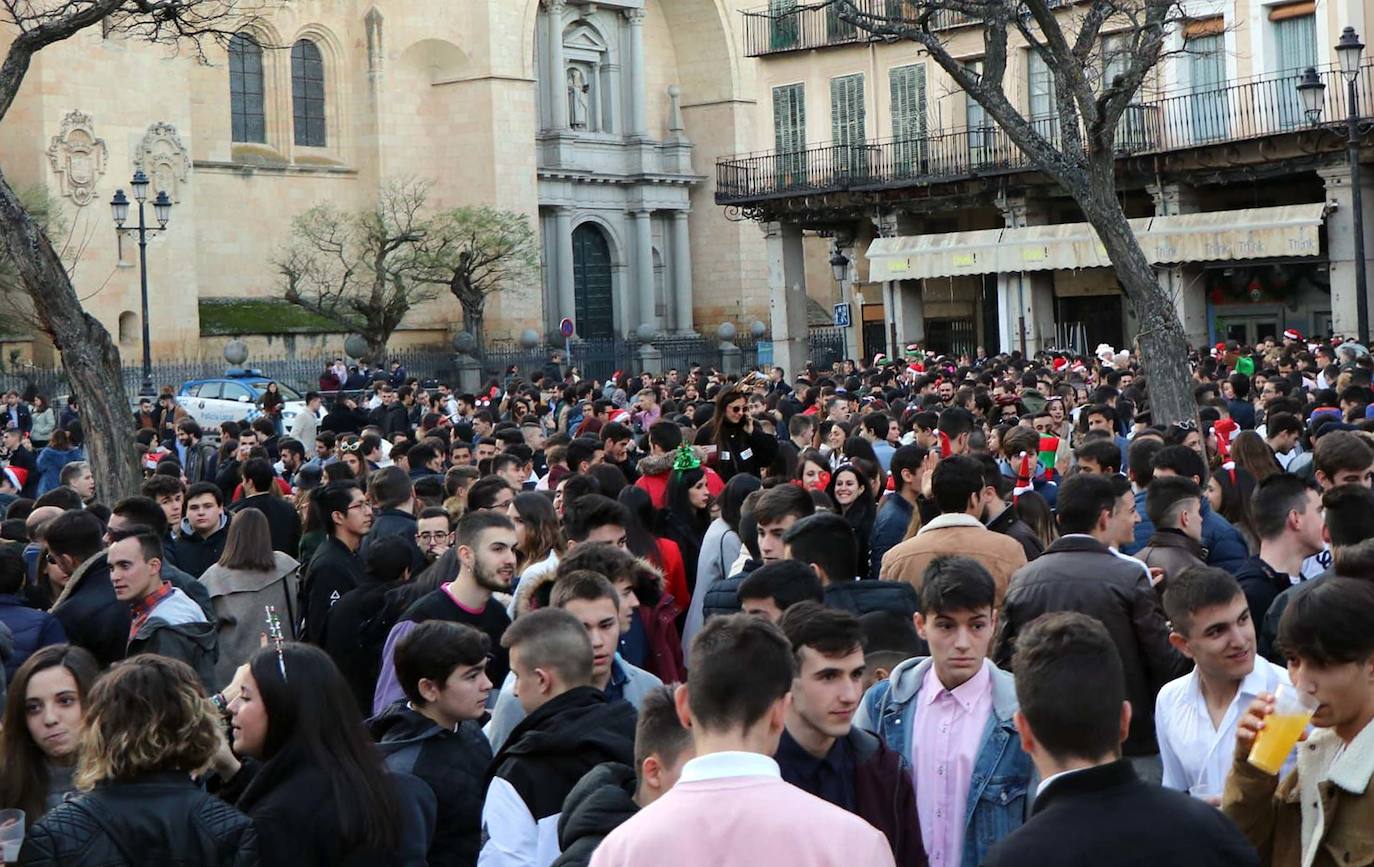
[[889, 529], [1002, 787], [32, 630], [1226, 548], [49, 464]]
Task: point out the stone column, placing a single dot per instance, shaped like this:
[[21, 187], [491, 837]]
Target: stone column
[[787, 296], [1182, 281], [1025, 299], [908, 297], [558, 87], [567, 294], [644, 271], [636, 127], [682, 275], [1340, 243]]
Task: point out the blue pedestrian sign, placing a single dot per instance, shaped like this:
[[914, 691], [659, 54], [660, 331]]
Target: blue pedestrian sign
[[842, 316]]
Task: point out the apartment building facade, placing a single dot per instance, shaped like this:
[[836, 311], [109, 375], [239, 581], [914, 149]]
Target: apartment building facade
[[873, 167]]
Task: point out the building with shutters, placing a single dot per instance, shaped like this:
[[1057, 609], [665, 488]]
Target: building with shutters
[[601, 121], [866, 147]]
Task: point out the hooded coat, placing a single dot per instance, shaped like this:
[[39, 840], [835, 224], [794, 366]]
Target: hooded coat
[[239, 596], [179, 629], [655, 469], [453, 763], [600, 802], [545, 756]]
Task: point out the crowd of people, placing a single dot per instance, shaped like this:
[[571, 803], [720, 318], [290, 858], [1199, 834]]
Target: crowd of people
[[979, 610]]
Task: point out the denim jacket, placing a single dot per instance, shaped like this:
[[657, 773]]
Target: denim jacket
[[1001, 789]]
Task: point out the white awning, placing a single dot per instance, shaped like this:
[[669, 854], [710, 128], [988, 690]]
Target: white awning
[[1252, 233]]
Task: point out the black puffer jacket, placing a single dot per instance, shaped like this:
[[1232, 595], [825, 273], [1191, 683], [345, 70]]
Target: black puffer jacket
[[157, 819], [453, 764], [601, 802], [723, 597]]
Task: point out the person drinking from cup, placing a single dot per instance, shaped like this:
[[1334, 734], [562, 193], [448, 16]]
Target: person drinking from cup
[[1321, 813]]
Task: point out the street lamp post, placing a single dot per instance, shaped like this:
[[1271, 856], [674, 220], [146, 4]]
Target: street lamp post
[[1312, 90], [162, 210]]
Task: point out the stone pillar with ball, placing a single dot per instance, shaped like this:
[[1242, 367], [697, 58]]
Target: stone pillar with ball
[[468, 367], [731, 359], [650, 358]]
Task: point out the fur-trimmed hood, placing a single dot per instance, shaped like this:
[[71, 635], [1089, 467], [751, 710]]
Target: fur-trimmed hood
[[657, 465], [537, 583]]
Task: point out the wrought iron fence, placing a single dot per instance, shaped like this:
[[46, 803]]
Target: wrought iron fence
[[827, 346], [799, 25], [601, 359], [1264, 106]]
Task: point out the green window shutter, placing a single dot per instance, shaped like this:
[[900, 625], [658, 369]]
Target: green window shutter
[[789, 131], [908, 87], [847, 109]]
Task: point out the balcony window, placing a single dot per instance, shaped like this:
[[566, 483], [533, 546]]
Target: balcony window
[[786, 24], [980, 131], [1206, 57], [1043, 108], [1295, 41], [908, 85], [847, 123], [836, 28], [789, 133]]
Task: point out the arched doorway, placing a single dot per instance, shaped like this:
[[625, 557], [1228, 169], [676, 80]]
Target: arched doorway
[[592, 283]]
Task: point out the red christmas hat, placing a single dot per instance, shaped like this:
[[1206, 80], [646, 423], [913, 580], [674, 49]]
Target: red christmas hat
[[17, 476]]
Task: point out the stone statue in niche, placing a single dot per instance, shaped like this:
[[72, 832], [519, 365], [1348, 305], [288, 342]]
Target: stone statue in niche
[[77, 157], [164, 158], [578, 98]]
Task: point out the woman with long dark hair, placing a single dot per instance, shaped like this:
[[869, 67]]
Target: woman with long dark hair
[[720, 549], [740, 445], [42, 727], [538, 533], [315, 786], [688, 509], [1252, 453], [813, 470], [1228, 491], [644, 538], [851, 494]]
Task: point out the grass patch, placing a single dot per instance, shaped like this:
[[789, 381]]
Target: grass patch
[[232, 316]]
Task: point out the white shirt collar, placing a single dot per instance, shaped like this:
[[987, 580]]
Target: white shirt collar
[[1044, 784], [731, 763]]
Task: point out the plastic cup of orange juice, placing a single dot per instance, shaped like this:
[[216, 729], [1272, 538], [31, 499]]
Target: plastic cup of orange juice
[[1292, 712]]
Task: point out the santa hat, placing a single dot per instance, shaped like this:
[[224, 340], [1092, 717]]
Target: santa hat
[[17, 476], [1024, 478], [1292, 334], [1225, 429], [1060, 362]]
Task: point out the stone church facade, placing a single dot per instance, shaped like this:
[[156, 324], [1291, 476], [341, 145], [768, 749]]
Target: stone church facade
[[601, 121]]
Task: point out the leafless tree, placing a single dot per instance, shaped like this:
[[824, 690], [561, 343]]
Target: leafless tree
[[1079, 152], [89, 356], [360, 270]]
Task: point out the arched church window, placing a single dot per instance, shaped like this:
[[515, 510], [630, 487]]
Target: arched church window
[[307, 93], [246, 90]]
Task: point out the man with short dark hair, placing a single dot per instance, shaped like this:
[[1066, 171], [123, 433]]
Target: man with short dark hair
[[87, 608], [950, 716], [335, 569], [1091, 807], [483, 563], [1225, 546], [618, 440], [775, 511], [1174, 505], [908, 466], [433, 733], [826, 543], [771, 589], [165, 620], [204, 530], [1322, 812], [735, 701], [1081, 572], [1196, 715], [961, 491], [611, 792], [392, 495], [260, 492], [570, 728], [821, 751], [1288, 517], [197, 458]]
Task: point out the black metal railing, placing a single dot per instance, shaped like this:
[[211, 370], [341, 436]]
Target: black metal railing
[[799, 25], [1265, 106]]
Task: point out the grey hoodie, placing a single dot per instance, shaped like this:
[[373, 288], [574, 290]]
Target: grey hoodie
[[178, 628]]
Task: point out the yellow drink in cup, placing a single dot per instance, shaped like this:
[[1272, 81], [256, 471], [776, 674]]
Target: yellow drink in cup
[[1292, 712]]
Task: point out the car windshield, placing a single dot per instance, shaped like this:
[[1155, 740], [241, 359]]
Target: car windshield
[[287, 392]]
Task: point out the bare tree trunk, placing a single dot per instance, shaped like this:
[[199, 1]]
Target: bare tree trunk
[[474, 324], [89, 356], [1163, 343]]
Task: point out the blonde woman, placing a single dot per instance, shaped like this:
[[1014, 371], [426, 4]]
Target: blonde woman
[[148, 728]]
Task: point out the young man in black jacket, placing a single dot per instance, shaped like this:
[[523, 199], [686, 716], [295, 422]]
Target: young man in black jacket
[[571, 727], [1091, 807], [822, 752], [826, 542], [611, 793], [204, 530], [335, 568], [434, 735]]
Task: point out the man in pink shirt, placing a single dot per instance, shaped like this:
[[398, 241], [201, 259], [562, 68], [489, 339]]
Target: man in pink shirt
[[731, 801], [951, 715]]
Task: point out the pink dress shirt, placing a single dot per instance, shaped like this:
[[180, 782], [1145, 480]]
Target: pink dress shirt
[[944, 747]]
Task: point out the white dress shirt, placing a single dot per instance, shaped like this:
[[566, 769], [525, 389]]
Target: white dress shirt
[[1197, 756], [731, 763]]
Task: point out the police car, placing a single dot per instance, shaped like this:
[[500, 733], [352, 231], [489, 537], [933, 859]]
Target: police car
[[233, 397]]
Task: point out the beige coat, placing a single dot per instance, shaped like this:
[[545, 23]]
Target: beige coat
[[954, 534], [240, 598]]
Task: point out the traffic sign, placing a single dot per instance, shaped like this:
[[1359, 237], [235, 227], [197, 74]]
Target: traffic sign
[[566, 328], [842, 319]]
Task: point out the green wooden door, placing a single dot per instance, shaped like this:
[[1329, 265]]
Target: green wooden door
[[592, 283]]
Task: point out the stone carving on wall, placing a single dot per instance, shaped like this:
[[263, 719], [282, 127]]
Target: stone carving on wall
[[164, 158], [78, 157], [578, 97]]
